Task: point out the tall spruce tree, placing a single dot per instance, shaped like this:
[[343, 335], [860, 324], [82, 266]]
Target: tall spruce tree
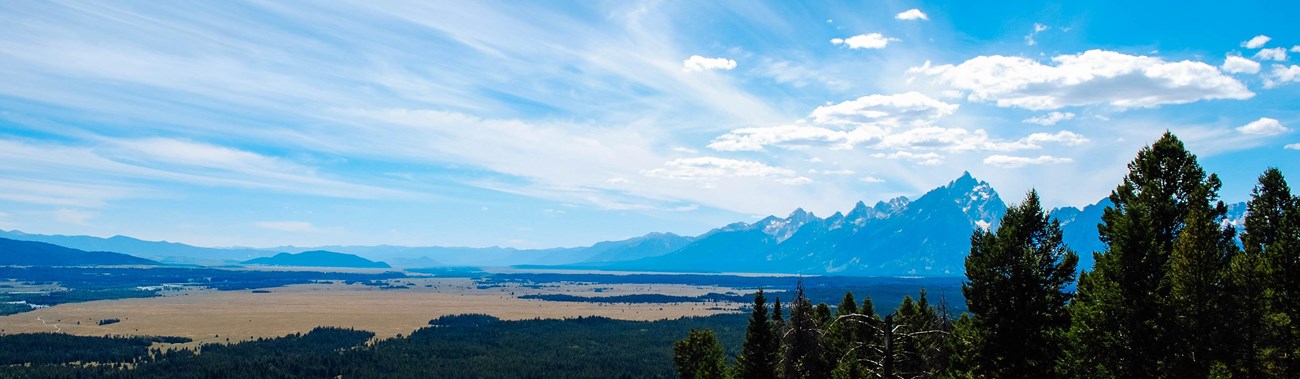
[[1198, 274], [842, 334], [1272, 241], [759, 355], [1120, 318], [700, 356], [1016, 291], [801, 356]]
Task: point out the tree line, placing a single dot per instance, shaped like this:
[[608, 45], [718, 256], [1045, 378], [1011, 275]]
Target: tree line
[[1175, 293]]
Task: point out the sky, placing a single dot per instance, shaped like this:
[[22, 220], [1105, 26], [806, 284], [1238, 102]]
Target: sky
[[546, 124]]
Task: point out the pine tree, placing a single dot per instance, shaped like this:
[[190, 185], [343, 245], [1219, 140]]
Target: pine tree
[[1198, 273], [1016, 292], [1120, 318], [760, 352], [842, 334], [699, 356], [1272, 242], [802, 354]]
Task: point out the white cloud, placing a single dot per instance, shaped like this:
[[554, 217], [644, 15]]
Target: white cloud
[[1257, 42], [1089, 78], [924, 159], [872, 179], [697, 63], [900, 122], [912, 14], [712, 168], [885, 110], [73, 216], [1050, 118], [1007, 161], [1063, 137], [1282, 75], [865, 41], [793, 135], [1038, 28], [1294, 146], [799, 76], [288, 226], [837, 172], [1237, 65], [1276, 54], [1295, 49], [1264, 126]]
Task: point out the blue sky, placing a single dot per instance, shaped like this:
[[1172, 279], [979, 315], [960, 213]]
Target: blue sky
[[562, 124]]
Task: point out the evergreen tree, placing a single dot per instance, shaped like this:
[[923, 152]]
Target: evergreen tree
[[699, 356], [1198, 273], [1272, 247], [1016, 292], [802, 354], [842, 335], [822, 314], [1120, 320], [760, 352]]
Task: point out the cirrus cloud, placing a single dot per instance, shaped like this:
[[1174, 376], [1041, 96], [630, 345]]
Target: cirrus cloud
[[1007, 161], [1050, 118], [713, 168], [1094, 77]]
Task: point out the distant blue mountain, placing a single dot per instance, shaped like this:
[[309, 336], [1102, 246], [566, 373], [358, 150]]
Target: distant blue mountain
[[317, 258], [31, 253], [929, 236], [167, 252], [926, 237]]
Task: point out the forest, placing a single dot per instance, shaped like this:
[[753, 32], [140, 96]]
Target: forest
[[1176, 293]]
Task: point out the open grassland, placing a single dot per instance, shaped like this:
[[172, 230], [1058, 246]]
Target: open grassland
[[400, 306]]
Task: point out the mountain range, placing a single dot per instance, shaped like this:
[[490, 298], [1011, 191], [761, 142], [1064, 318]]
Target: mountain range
[[928, 236], [316, 258], [32, 253]]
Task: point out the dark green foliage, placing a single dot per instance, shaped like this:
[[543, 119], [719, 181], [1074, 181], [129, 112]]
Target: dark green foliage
[[1121, 320], [761, 350], [917, 339], [699, 356], [1198, 273], [471, 346], [1016, 292], [56, 348], [801, 354], [109, 321], [1266, 281], [822, 315], [8, 308]]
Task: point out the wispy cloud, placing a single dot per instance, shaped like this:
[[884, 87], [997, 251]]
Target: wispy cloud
[[1007, 161], [865, 41]]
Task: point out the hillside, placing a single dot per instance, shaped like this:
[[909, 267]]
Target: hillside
[[317, 258], [31, 253]]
